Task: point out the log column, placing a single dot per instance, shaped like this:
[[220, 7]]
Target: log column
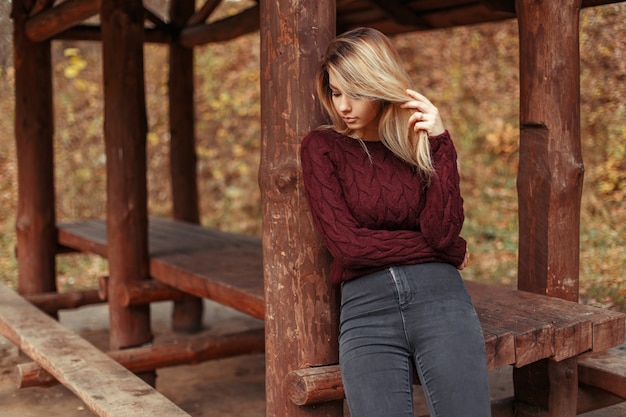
[[551, 169], [549, 183], [187, 314], [34, 127], [125, 129], [301, 316]]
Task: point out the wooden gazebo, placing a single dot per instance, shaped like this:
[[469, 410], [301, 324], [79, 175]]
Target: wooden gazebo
[[540, 329]]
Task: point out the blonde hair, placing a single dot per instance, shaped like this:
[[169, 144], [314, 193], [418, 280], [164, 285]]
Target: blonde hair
[[367, 66]]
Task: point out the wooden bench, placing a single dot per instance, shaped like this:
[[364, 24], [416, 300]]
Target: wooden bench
[[520, 328], [220, 266], [105, 386]]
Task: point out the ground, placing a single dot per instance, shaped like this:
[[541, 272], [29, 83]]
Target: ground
[[232, 387]]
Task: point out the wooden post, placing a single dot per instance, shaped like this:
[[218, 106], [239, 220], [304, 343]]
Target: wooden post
[[34, 126], [551, 170], [547, 388], [301, 313], [187, 314], [125, 129], [549, 183]]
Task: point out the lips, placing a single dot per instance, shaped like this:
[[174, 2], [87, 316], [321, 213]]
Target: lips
[[349, 120]]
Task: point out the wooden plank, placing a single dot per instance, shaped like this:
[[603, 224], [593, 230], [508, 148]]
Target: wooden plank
[[497, 307], [212, 264], [567, 328], [499, 345], [88, 236], [190, 350], [232, 278], [605, 370], [105, 386]]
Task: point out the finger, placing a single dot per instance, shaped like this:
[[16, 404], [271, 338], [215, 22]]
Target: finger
[[414, 94], [417, 96], [418, 117], [412, 104]]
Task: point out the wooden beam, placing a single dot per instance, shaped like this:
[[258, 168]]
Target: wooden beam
[[35, 227], [203, 14], [94, 33], [192, 350], [295, 263], [55, 20], [49, 22], [105, 386], [399, 12], [221, 30], [550, 178], [592, 398], [142, 292], [315, 385], [52, 302], [506, 6], [152, 17], [605, 370], [40, 5]]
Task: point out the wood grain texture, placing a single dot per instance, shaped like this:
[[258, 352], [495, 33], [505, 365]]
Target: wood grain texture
[[105, 386]]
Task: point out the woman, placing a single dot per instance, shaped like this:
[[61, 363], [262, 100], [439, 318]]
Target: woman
[[383, 188]]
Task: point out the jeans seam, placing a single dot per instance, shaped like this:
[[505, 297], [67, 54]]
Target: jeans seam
[[394, 277]]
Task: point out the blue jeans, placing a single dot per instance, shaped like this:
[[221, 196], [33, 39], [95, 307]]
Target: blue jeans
[[412, 316]]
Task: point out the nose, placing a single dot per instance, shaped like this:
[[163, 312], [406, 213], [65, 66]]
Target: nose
[[344, 104]]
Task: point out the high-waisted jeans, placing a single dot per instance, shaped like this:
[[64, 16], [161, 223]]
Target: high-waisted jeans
[[405, 316]]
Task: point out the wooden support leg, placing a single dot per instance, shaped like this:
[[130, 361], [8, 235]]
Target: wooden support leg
[[187, 314], [34, 126], [125, 130], [546, 388]]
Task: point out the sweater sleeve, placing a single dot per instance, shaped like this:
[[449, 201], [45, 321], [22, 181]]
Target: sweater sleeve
[[442, 218], [350, 244]]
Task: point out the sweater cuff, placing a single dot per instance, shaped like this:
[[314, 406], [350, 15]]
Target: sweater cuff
[[435, 141]]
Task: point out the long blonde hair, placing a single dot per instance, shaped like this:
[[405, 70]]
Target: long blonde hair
[[368, 67]]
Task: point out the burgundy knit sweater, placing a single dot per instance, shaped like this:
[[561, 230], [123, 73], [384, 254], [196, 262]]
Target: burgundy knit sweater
[[379, 213]]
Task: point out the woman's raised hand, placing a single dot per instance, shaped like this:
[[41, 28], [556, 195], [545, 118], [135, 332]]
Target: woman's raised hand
[[425, 116]]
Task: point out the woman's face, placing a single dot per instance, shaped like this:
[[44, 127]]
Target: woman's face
[[361, 115]]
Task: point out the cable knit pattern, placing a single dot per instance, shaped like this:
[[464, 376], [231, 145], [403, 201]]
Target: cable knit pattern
[[378, 213]]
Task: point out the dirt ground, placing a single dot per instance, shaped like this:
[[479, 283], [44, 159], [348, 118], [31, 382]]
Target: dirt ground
[[232, 387]]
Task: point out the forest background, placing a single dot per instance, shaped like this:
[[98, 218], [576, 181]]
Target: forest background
[[471, 74]]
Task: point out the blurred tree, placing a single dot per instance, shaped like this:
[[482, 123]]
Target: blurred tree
[[6, 27]]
